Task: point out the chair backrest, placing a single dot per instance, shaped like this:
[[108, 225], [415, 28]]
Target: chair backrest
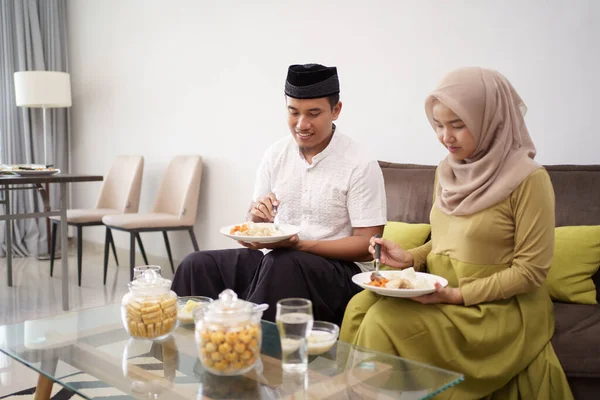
[[180, 189], [122, 186]]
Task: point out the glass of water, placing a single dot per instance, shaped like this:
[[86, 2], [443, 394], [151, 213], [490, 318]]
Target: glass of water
[[294, 321]]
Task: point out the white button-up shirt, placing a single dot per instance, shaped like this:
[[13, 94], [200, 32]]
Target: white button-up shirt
[[342, 189]]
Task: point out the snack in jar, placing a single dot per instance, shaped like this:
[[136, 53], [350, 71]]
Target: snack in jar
[[229, 334], [149, 310]]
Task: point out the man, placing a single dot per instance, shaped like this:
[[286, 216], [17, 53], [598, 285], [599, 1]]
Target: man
[[321, 181]]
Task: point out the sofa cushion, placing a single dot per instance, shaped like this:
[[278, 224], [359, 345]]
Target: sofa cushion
[[576, 339], [576, 260], [407, 236]]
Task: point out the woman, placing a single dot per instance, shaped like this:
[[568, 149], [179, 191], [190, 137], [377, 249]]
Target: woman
[[492, 238]]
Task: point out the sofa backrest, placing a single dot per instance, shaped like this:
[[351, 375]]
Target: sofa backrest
[[409, 189]]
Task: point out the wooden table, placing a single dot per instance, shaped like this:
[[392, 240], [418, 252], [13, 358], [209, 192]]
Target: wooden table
[[14, 182]]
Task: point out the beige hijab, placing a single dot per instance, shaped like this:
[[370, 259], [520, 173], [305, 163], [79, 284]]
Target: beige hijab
[[493, 111]]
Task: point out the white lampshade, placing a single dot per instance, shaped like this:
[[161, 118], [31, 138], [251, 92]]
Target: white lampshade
[[43, 89]]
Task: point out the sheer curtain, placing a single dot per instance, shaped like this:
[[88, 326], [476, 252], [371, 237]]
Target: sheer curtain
[[33, 37]]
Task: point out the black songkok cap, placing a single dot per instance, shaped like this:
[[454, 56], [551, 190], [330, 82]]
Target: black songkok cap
[[311, 81]]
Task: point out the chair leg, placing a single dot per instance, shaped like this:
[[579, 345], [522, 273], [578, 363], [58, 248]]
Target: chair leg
[[132, 236], [139, 239], [166, 236], [112, 243], [193, 237], [106, 245], [79, 252], [53, 247]]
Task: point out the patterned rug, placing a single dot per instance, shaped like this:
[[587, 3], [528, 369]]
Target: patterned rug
[[87, 384], [93, 388]]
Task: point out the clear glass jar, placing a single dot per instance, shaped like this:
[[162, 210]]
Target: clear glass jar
[[149, 310], [229, 334]]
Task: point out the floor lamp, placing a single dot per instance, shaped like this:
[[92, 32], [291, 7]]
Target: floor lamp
[[43, 89]]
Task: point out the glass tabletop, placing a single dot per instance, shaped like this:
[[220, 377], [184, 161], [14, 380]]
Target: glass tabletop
[[103, 359]]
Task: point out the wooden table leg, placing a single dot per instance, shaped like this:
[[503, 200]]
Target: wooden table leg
[[44, 388]]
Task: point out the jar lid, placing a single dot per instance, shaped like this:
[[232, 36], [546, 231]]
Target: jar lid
[[229, 307], [149, 282]]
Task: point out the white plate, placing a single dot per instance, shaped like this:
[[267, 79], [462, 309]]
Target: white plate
[[36, 173], [288, 232], [365, 277]]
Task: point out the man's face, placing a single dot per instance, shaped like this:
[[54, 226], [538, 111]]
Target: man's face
[[310, 122]]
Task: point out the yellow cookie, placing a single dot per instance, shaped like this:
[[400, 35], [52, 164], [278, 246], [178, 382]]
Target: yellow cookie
[[168, 303], [133, 328], [170, 311], [141, 329], [135, 305], [150, 309], [150, 330]]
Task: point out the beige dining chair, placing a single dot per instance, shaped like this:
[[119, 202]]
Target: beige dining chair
[[175, 208], [119, 194]]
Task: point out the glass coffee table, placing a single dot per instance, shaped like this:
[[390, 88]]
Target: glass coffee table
[[104, 362]]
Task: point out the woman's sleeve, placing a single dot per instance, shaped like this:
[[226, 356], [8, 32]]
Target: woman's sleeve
[[420, 255], [533, 209]]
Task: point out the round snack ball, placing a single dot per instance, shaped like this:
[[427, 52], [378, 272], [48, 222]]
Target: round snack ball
[[246, 355], [216, 356], [237, 365], [207, 362], [217, 337], [239, 347], [245, 336], [224, 348], [232, 357], [205, 335], [253, 345], [210, 347], [231, 337], [252, 360], [254, 330], [221, 366]]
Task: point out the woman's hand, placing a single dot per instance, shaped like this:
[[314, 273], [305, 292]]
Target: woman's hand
[[391, 254], [443, 295], [262, 211]]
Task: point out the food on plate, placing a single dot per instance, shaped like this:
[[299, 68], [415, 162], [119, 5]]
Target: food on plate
[[32, 167], [404, 279], [377, 280], [254, 229]]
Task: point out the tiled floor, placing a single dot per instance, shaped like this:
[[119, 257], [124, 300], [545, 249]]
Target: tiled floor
[[36, 295]]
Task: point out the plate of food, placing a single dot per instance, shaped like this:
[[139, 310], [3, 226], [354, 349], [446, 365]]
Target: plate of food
[[260, 232], [399, 283], [33, 170]]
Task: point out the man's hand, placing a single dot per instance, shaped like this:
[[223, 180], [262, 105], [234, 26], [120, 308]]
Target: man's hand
[[290, 243], [445, 295], [262, 210]]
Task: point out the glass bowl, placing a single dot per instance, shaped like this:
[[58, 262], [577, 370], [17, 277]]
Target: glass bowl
[[185, 316], [322, 337]]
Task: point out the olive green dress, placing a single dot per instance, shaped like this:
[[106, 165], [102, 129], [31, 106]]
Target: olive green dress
[[500, 338]]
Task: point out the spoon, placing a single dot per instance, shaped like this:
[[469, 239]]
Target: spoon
[[376, 275]]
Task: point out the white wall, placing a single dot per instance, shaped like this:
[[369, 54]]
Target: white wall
[[163, 78]]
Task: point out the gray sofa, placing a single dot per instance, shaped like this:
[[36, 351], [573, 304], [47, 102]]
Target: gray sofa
[[576, 339]]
